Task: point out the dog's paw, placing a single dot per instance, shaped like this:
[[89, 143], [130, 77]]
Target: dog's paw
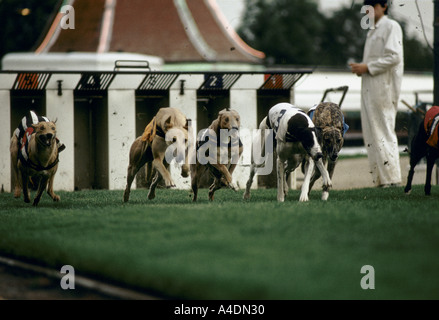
[[170, 184], [304, 197], [280, 197], [233, 186], [328, 185], [325, 195], [246, 196], [151, 194], [56, 198], [17, 193], [224, 182]]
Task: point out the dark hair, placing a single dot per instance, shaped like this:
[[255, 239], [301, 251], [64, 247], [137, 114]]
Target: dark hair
[[380, 2]]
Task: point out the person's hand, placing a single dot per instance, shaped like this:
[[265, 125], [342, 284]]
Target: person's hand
[[359, 68]]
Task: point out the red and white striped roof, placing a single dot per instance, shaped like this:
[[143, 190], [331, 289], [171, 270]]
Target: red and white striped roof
[[175, 30]]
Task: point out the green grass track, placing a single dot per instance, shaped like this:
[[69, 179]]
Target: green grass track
[[231, 249]]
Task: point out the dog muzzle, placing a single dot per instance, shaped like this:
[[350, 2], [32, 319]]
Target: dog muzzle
[[334, 157], [46, 139]]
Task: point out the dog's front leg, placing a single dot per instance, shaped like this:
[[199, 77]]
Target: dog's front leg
[[155, 181], [185, 168], [249, 182], [50, 191], [430, 165], [131, 173], [41, 187], [287, 176], [226, 174], [158, 165], [197, 172], [216, 185], [408, 186], [309, 168], [314, 177], [327, 183], [25, 184], [280, 180], [331, 167], [159, 147]]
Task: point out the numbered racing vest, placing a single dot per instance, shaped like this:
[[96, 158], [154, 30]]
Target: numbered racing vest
[[431, 126]]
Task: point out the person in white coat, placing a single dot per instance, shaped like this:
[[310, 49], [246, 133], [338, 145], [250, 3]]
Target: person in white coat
[[381, 71]]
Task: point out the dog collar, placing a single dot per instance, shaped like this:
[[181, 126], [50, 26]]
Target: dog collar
[[160, 132]]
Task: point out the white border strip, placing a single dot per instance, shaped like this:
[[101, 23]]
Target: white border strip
[[230, 32], [107, 26]]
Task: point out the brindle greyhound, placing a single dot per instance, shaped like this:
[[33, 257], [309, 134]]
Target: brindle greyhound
[[330, 128]]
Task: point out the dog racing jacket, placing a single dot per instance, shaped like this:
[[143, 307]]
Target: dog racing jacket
[[209, 136], [277, 120], [431, 126], [24, 132]]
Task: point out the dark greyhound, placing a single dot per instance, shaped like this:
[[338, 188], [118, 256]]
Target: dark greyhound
[[425, 144], [330, 128]]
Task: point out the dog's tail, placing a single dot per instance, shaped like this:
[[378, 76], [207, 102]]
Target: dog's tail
[[150, 131]]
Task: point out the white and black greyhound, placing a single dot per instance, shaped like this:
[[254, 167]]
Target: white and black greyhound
[[294, 138]]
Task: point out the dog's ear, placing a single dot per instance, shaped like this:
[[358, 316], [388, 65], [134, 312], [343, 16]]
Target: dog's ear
[[215, 124], [222, 112], [168, 123], [235, 113], [186, 126]]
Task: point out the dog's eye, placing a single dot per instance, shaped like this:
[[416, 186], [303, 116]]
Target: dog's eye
[[174, 139], [42, 128], [227, 120], [53, 128]]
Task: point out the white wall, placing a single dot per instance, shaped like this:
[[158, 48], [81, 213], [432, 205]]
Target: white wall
[[122, 133], [5, 138], [61, 109], [187, 103]]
